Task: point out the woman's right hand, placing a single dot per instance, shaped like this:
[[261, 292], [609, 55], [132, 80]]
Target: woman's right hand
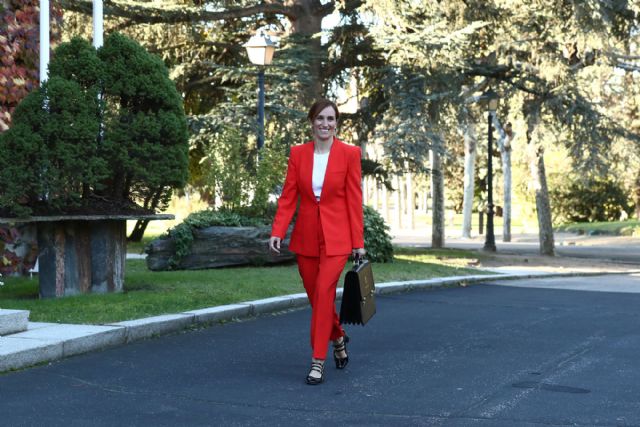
[[274, 244]]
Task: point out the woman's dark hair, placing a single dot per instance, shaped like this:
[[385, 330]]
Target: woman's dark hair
[[320, 105]]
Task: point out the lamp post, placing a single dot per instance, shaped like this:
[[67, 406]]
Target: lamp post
[[260, 49], [490, 100]]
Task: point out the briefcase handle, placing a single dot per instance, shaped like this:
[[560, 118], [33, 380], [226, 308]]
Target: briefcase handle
[[359, 259]]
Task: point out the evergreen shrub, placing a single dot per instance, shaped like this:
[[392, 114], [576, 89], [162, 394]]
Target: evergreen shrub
[[377, 240], [106, 130]]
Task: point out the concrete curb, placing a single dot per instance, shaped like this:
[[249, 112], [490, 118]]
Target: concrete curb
[[46, 342]]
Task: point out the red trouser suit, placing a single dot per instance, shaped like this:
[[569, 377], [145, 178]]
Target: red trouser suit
[[326, 231], [320, 277]]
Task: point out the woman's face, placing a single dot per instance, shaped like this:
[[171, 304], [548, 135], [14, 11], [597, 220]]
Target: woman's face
[[324, 124]]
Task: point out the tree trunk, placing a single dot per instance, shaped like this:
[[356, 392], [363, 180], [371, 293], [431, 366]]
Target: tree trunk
[[410, 201], [385, 204], [470, 152], [398, 203], [637, 196], [504, 143], [365, 190], [141, 225], [376, 194], [308, 23], [138, 231], [539, 179], [437, 186]]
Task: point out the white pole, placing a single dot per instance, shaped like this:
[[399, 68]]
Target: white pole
[[44, 40], [98, 24]]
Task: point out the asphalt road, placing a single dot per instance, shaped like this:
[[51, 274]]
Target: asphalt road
[[564, 352]]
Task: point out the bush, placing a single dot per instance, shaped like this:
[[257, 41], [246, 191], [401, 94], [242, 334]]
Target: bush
[[377, 240], [590, 200], [71, 147]]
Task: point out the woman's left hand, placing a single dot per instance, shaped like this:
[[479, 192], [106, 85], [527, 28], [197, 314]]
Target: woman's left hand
[[359, 251]]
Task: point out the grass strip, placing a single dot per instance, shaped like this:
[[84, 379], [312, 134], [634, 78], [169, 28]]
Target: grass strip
[[153, 293]]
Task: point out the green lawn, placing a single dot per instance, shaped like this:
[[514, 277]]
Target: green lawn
[[151, 293]]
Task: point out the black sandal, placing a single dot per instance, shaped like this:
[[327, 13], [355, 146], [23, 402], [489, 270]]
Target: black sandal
[[341, 362], [317, 367]]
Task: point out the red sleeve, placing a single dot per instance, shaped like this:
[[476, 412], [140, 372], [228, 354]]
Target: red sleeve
[[354, 198], [288, 200]]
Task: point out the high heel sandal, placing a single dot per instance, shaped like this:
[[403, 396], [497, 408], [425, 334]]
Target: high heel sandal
[[316, 367], [341, 362]]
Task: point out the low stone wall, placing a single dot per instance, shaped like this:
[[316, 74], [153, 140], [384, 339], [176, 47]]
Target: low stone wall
[[218, 246]]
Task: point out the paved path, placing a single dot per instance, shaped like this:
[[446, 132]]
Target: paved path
[[616, 248], [494, 355]]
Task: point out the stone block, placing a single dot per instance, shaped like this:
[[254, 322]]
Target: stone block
[[13, 321]]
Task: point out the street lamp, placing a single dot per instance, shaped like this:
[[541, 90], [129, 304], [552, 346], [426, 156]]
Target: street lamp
[[490, 100], [260, 49]]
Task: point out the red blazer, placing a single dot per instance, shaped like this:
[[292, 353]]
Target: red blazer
[[339, 210]]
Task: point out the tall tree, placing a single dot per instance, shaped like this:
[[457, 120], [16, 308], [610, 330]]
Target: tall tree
[[542, 51]]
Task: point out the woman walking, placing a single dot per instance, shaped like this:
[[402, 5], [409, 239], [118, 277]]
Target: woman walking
[[325, 176]]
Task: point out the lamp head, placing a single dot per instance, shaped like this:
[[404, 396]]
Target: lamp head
[[260, 49], [490, 99]]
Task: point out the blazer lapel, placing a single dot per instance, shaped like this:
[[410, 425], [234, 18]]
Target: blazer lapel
[[333, 164], [306, 169]]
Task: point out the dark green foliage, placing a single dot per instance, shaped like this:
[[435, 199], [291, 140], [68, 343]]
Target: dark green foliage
[[55, 149], [57, 154], [20, 142], [145, 128], [77, 61], [594, 199], [377, 241]]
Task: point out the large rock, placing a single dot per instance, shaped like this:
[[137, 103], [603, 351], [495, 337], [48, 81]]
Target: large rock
[[219, 247]]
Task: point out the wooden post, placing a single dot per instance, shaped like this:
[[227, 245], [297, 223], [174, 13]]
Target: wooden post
[[78, 257]]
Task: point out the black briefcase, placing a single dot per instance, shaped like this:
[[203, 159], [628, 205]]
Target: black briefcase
[[358, 294]]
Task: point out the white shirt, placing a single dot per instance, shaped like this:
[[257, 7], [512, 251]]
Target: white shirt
[[319, 168]]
